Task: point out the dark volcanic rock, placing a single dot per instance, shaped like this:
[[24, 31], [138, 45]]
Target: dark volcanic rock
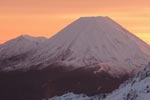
[[51, 81]]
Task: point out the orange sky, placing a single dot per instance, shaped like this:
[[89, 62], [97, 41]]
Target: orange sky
[[46, 17]]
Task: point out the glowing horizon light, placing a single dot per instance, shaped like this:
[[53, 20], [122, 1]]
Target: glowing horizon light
[[46, 18]]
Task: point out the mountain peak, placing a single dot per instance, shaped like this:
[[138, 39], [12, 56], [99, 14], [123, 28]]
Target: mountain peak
[[25, 36], [31, 38], [93, 19], [20, 45], [22, 37], [94, 40]]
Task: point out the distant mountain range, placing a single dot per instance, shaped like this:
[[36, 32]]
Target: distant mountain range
[[91, 55]]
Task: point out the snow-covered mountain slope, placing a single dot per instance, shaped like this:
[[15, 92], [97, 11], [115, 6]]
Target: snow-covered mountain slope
[[18, 48], [19, 45], [137, 88], [94, 41], [88, 41]]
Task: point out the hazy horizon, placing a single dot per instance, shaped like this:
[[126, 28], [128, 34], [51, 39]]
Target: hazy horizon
[[45, 18]]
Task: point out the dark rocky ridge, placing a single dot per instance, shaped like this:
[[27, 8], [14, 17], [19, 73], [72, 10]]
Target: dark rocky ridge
[[54, 80]]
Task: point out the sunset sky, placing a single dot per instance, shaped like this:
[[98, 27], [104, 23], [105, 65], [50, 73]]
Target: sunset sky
[[47, 17]]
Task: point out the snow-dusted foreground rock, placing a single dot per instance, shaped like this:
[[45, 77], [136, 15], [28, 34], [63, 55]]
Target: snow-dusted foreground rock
[[72, 96], [137, 88]]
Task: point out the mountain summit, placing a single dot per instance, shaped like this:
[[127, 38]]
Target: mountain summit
[[94, 41], [14, 51], [19, 45]]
